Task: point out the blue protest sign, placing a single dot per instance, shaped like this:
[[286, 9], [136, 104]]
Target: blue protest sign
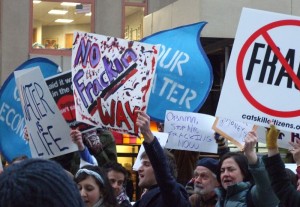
[[12, 123], [184, 74]]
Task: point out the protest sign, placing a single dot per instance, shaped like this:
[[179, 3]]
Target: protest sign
[[162, 138], [12, 123], [111, 79], [48, 131], [261, 82], [234, 131], [283, 139], [60, 87], [184, 74], [190, 131]]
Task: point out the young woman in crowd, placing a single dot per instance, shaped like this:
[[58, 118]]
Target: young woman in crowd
[[94, 187], [244, 181]]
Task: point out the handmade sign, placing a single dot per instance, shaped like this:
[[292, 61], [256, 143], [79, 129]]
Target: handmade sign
[[184, 75], [111, 78], [48, 131], [12, 123], [261, 82], [190, 131], [234, 131]]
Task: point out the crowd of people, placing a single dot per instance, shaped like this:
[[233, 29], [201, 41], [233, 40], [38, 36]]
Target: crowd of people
[[234, 179]]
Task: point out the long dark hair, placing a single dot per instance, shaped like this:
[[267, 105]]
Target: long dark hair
[[106, 189], [241, 161]]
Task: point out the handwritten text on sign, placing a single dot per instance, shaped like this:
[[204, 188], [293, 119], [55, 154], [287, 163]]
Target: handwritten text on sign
[[190, 131], [234, 131], [111, 78], [46, 127]]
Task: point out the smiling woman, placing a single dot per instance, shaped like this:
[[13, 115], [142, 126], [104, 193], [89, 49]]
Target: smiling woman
[[54, 22]]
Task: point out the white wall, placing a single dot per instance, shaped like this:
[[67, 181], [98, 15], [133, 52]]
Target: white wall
[[222, 15], [14, 36]]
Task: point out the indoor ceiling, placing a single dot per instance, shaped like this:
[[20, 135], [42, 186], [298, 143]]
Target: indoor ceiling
[[41, 16]]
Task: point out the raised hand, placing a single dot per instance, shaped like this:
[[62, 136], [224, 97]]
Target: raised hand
[[296, 151], [76, 137], [249, 148], [272, 136], [143, 122]]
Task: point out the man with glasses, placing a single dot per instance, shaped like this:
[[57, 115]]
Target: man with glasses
[[205, 181]]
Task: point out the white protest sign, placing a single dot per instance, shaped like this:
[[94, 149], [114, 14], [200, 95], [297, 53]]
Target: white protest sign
[[190, 131], [291, 166], [111, 78], [261, 82], [162, 138], [49, 133], [234, 131], [283, 139]]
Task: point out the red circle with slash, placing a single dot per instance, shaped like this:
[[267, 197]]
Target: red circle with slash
[[263, 31]]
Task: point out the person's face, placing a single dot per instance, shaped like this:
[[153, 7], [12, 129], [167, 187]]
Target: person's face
[[89, 191], [116, 180], [205, 181], [230, 173], [146, 174]]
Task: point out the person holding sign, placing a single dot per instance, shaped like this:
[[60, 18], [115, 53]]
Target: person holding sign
[[244, 180], [116, 173], [157, 173], [85, 156], [282, 186]]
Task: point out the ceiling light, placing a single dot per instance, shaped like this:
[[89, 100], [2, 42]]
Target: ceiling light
[[64, 20], [69, 4], [36, 2], [57, 11]]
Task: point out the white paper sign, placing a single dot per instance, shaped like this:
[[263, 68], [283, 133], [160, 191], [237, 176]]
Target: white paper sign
[[261, 82], [49, 133], [190, 131], [234, 131], [112, 78], [162, 138], [283, 139]]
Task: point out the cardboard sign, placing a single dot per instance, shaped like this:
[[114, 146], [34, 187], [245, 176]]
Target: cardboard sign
[[190, 131], [232, 130], [261, 74], [49, 133], [111, 79], [184, 75], [12, 123], [162, 138]]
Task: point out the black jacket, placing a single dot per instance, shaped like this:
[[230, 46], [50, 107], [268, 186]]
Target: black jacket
[[167, 192]]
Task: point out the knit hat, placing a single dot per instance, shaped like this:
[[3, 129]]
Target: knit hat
[[38, 182], [209, 163]]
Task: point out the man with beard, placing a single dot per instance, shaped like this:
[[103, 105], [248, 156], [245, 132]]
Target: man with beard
[[205, 181]]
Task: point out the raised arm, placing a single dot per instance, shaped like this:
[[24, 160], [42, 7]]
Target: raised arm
[[84, 153], [280, 181], [172, 193], [260, 176]]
